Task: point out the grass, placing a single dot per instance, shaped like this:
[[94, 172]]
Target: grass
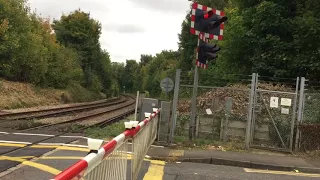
[[183, 142], [107, 132], [75, 128], [14, 95], [23, 124]]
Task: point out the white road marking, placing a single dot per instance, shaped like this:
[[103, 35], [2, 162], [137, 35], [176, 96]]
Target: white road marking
[[157, 146], [76, 145], [29, 134], [4, 133], [248, 170], [74, 137], [15, 142], [63, 144], [151, 145]]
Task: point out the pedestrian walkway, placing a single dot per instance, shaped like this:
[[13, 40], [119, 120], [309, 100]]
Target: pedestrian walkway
[[280, 162]]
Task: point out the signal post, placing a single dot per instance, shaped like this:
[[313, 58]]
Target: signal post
[[207, 23]]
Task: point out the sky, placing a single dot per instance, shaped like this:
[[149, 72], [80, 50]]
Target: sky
[[129, 27]]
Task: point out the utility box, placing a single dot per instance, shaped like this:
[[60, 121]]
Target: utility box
[[147, 105]]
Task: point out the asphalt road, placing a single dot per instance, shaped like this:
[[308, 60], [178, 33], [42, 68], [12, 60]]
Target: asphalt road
[[197, 171], [59, 158]]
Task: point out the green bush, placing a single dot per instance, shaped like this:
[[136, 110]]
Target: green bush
[[80, 94]]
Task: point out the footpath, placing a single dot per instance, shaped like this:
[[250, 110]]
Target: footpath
[[280, 162]]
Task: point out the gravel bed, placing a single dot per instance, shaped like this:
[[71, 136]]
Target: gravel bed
[[53, 106], [52, 120]]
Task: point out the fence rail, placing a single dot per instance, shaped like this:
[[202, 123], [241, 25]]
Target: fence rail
[[110, 162], [251, 110]]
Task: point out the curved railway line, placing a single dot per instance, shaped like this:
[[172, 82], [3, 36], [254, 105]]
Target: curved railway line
[[111, 114], [91, 119], [43, 113]]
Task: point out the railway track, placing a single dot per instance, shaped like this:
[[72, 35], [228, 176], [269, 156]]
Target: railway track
[[60, 110], [62, 128], [89, 120]]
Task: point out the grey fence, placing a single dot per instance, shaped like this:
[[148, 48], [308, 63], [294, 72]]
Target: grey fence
[[308, 132], [256, 111], [275, 103], [221, 108]]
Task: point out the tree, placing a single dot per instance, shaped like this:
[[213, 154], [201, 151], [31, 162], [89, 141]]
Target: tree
[[80, 32], [28, 49], [273, 38], [145, 59], [129, 78]]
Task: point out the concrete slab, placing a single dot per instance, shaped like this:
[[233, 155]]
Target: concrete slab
[[21, 153], [39, 131], [6, 164], [27, 173], [60, 140], [67, 153], [6, 130], [24, 138], [6, 149], [29, 151], [58, 160]]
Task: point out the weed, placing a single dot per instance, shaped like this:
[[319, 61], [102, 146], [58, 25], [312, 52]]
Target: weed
[[107, 132], [75, 128], [22, 124], [110, 131], [183, 142]]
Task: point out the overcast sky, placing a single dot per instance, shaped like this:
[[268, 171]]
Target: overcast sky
[[129, 27]]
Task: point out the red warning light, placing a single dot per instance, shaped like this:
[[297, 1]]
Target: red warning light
[[208, 14]]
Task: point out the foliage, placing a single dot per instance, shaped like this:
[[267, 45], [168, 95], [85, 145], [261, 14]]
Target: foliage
[[28, 49], [310, 134], [108, 132], [273, 38], [311, 112], [147, 74], [80, 32], [63, 54]]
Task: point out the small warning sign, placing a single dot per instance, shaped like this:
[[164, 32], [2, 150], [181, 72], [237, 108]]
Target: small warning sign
[[285, 102], [274, 102], [284, 110], [208, 111]]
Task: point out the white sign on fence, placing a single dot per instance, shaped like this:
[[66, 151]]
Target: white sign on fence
[[285, 102], [284, 110], [274, 102], [208, 111]]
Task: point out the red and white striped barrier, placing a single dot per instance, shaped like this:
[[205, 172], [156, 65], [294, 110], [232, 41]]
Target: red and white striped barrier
[[92, 160]]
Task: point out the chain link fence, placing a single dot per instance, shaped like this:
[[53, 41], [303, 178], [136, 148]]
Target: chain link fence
[[226, 103], [221, 107], [274, 113], [310, 127]]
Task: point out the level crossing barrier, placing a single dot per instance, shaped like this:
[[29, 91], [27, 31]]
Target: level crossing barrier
[[110, 162], [141, 141]]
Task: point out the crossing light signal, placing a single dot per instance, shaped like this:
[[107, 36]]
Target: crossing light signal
[[208, 22], [207, 52]]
